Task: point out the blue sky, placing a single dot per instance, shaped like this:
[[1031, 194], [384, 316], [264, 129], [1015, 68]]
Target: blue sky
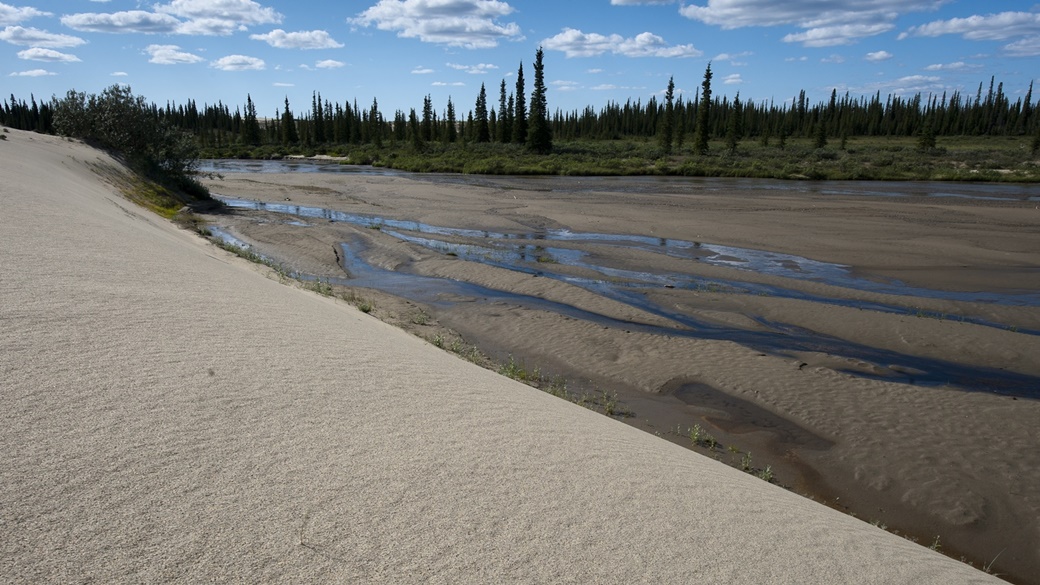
[[596, 51]]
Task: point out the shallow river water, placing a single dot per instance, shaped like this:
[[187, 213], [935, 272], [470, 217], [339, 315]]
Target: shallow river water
[[546, 254]]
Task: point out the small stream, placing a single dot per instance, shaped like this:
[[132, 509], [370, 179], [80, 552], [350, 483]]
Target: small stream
[[527, 253]]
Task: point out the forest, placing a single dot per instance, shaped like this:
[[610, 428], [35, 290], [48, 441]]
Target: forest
[[952, 136]]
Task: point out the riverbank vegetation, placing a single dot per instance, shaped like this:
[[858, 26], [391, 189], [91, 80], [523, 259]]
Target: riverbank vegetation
[[984, 136]]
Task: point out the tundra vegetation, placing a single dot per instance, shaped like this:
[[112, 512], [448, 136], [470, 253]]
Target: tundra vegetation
[[985, 136]]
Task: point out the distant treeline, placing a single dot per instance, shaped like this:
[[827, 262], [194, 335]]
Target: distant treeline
[[327, 123]]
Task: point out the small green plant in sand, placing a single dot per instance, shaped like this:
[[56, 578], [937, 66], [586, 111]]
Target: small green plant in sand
[[421, 318], [519, 372], [321, 287], [701, 438], [745, 462], [362, 304], [695, 434], [766, 474]]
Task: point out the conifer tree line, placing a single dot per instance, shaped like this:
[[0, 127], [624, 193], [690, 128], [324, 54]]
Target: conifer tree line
[[525, 119]]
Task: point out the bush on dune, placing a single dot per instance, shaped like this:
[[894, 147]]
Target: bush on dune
[[126, 124]]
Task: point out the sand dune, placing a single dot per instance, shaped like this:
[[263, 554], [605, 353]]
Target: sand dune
[[170, 413]]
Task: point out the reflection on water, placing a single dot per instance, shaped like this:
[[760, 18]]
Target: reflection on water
[[546, 253], [221, 166], [510, 250], [647, 184], [777, 339]]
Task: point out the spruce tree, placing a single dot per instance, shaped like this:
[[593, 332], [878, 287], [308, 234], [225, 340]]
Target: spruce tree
[[926, 136], [539, 137], [667, 125], [733, 132], [505, 118], [250, 124], [820, 140], [452, 132], [701, 139], [375, 123], [520, 109], [483, 132], [289, 133], [317, 117], [414, 131], [427, 118]]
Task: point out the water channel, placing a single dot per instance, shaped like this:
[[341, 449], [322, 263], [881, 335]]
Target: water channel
[[546, 254]]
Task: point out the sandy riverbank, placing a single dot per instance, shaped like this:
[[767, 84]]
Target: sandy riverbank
[[929, 461], [173, 413]]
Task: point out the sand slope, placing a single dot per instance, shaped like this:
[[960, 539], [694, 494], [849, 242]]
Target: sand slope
[[169, 413]]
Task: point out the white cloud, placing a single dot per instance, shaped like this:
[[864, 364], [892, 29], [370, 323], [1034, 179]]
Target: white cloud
[[730, 14], [281, 84], [878, 56], [472, 24], [992, 27], [117, 73], [170, 55], [238, 63], [830, 36], [32, 73], [1027, 47], [239, 12], [732, 57], [792, 59], [908, 85], [594, 71], [330, 64], [49, 55], [14, 15], [612, 87], [959, 65], [443, 84], [637, 2], [132, 21], [35, 37], [575, 43], [826, 22], [186, 17], [833, 59], [478, 69], [422, 71], [733, 79], [314, 39], [562, 85]]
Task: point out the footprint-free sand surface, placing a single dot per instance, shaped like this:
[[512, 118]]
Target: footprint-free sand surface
[[170, 412]]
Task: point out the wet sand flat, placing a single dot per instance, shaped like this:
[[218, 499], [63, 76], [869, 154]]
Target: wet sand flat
[[903, 392]]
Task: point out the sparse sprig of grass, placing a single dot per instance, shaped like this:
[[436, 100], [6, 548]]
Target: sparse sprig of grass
[[988, 567], [696, 432], [766, 474], [319, 286], [421, 318]]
